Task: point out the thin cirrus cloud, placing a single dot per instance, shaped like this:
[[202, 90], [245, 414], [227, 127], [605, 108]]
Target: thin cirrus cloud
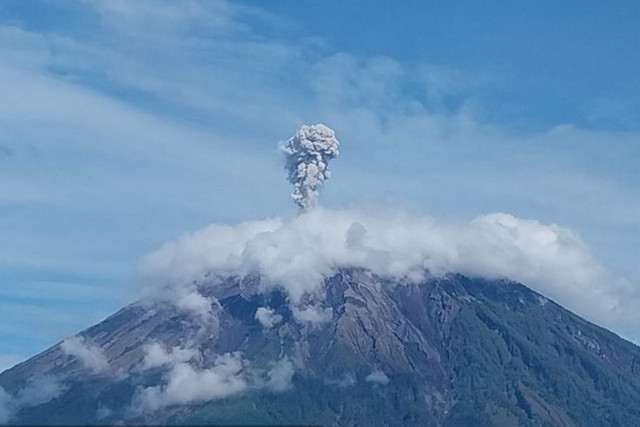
[[164, 118]]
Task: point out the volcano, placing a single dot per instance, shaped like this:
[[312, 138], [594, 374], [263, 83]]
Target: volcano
[[450, 350], [347, 318]]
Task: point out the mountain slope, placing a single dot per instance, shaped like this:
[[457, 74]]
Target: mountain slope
[[447, 351]]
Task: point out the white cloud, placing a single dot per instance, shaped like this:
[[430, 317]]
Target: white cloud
[[194, 303], [298, 253], [312, 314], [218, 248], [157, 355], [187, 384], [377, 377], [281, 375], [89, 355], [267, 317]]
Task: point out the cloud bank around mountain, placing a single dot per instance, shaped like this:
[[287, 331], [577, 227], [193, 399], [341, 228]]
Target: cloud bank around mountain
[[298, 253]]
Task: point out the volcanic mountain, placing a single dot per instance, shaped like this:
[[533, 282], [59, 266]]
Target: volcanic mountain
[[450, 350], [347, 318]]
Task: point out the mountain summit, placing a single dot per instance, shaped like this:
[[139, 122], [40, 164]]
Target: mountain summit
[[451, 350]]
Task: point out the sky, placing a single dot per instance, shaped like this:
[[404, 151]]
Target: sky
[[126, 124]]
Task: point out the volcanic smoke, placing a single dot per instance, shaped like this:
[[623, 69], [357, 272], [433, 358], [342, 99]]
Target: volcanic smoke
[[308, 153]]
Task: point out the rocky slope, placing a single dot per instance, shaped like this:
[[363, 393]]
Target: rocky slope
[[448, 351]]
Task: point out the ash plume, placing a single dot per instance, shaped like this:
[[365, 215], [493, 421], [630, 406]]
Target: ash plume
[[308, 153]]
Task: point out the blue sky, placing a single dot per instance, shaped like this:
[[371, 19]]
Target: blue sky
[[125, 124]]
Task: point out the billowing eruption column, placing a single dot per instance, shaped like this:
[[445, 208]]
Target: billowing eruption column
[[307, 161]]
